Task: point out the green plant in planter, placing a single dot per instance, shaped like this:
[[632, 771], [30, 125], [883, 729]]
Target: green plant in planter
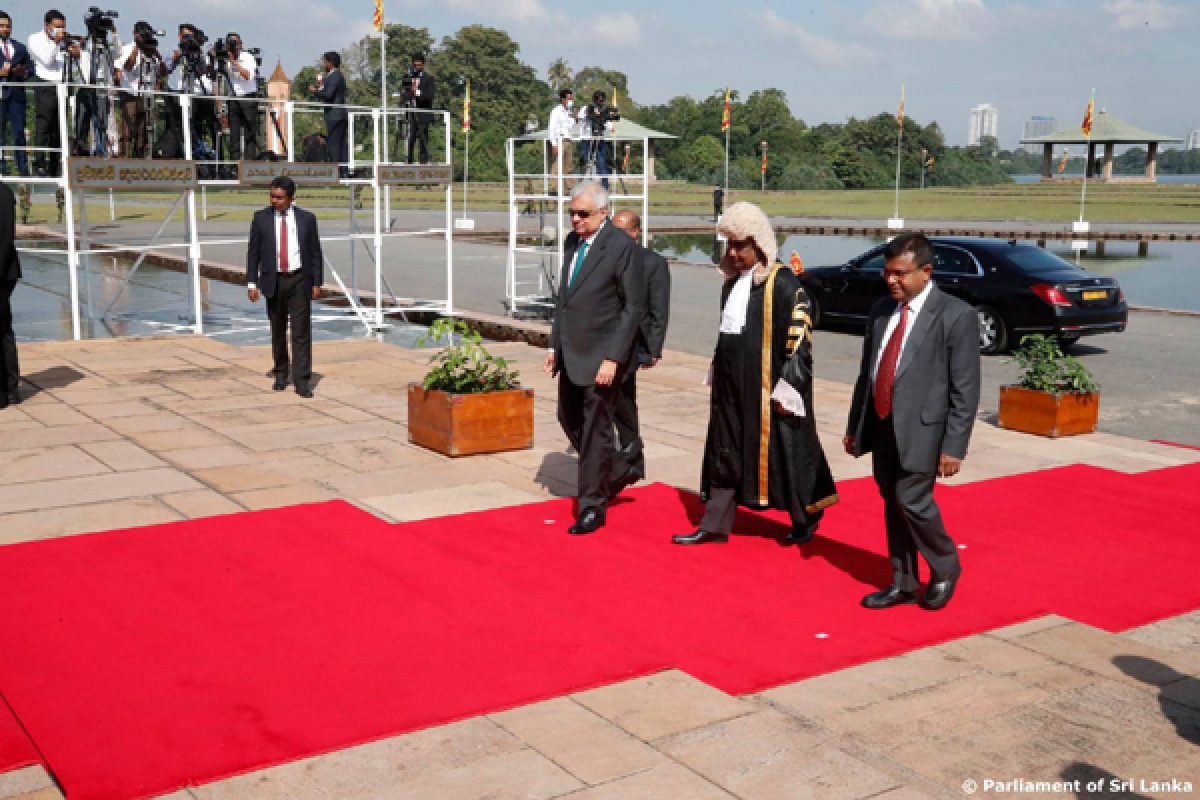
[[465, 367], [1044, 368]]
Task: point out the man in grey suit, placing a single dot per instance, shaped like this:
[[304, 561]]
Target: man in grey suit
[[913, 409], [652, 333], [598, 310]]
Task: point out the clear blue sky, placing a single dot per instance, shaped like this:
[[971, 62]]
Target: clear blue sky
[[834, 59]]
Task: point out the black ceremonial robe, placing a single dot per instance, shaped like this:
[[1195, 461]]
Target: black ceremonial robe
[[774, 460]]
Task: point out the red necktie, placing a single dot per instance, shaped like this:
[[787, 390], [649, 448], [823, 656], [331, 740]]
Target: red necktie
[[283, 245], [885, 378]]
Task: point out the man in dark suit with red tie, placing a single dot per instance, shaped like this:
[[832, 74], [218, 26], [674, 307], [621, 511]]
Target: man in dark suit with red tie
[[285, 259], [913, 409]]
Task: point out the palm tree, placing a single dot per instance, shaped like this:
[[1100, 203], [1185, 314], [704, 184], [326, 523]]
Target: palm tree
[[559, 75]]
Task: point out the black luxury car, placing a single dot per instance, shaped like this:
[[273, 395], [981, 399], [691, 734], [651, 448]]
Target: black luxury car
[[1017, 288]]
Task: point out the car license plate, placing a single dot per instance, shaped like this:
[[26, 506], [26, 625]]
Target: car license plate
[[1097, 295]]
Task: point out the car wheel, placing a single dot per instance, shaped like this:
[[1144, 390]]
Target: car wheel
[[1065, 341], [993, 335]]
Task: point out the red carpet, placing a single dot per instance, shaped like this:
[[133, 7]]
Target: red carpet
[[16, 750], [140, 661]]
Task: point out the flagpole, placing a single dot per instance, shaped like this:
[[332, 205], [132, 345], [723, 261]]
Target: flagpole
[[899, 142], [466, 170], [727, 160], [1087, 155]]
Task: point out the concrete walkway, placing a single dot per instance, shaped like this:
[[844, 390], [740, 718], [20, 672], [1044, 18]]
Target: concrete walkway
[[135, 432]]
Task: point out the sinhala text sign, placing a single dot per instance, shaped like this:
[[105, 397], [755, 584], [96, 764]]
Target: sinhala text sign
[[132, 173], [261, 173], [415, 174]]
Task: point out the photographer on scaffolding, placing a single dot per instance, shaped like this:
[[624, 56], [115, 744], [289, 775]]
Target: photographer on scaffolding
[[599, 120], [49, 49], [418, 92], [140, 66], [189, 73], [236, 71]]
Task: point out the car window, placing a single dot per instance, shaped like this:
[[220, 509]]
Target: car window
[[1035, 260], [952, 261], [873, 264]]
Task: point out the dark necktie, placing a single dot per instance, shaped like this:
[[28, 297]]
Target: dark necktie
[[283, 244], [579, 258], [885, 378]]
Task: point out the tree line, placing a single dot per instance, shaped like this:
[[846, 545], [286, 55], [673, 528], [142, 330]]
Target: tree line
[[507, 95]]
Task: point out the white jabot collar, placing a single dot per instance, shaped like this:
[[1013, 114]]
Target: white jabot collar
[[733, 317]]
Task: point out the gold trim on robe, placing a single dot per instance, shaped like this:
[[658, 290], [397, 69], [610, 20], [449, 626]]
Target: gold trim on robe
[[764, 439]]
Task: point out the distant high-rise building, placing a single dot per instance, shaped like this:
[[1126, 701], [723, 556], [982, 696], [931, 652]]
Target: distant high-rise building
[[1038, 126], [985, 121], [1194, 140]]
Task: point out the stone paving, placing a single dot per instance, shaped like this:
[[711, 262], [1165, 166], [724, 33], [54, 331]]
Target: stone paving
[[141, 431]]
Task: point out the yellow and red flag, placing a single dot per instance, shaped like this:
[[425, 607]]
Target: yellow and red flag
[[379, 16], [764, 161], [929, 163], [467, 109], [726, 114], [795, 263], [1087, 117], [1062, 165], [625, 162], [900, 110]]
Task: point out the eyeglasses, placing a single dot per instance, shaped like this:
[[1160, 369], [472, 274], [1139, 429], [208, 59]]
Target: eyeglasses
[[583, 214], [899, 274]]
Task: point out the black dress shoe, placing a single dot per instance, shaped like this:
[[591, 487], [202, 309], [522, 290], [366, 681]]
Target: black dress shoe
[[3, 401], [700, 537], [803, 534], [886, 598], [14, 398], [280, 384], [590, 521], [938, 594], [303, 389]]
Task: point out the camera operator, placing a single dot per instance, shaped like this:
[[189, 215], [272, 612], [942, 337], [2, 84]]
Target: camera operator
[[331, 89], [239, 66], [419, 90], [559, 130], [49, 49], [190, 73], [598, 119], [140, 67]]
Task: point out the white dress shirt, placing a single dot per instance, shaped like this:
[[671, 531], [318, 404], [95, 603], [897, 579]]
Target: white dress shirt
[[243, 86], [175, 80], [293, 240], [914, 310], [129, 77], [48, 59], [7, 51], [561, 124]]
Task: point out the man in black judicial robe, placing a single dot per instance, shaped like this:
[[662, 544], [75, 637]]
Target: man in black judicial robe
[[652, 333], [795, 477]]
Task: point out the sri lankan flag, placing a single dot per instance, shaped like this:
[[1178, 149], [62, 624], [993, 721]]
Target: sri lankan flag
[[795, 263], [900, 110], [467, 109], [1087, 117], [1062, 165], [764, 161], [379, 16], [726, 114]]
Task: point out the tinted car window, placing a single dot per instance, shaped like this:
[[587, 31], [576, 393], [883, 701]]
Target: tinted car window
[[952, 261], [873, 264], [1035, 260]]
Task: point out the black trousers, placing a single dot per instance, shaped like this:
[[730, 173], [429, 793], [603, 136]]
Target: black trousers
[[914, 521], [12, 117], [418, 137], [721, 509], [243, 130], [628, 431], [291, 303], [45, 129], [10, 368], [335, 137], [586, 416]]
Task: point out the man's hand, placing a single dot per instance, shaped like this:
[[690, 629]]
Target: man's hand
[[849, 443], [607, 373], [74, 50], [316, 293], [253, 295], [548, 365], [948, 466], [5, 70]]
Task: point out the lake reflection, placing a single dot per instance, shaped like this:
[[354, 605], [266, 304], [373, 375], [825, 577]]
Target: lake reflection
[[1158, 274]]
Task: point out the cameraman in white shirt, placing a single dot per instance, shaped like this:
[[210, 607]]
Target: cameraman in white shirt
[[242, 111], [560, 130], [48, 54]]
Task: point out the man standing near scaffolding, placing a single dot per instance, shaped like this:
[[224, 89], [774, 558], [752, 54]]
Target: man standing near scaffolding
[[559, 131]]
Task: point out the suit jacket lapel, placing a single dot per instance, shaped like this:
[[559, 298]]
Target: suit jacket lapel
[[589, 261], [925, 320]]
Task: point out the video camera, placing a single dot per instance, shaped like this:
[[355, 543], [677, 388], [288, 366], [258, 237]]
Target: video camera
[[408, 87], [192, 44], [99, 23], [147, 37], [599, 113]]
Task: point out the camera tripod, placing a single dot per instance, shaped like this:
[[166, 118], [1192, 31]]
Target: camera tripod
[[144, 86], [93, 105]]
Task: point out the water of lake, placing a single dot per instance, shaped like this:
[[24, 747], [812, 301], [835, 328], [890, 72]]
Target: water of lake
[[1186, 179], [1167, 275]]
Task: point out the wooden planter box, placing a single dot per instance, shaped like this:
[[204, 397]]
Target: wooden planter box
[[470, 424], [1048, 414]]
